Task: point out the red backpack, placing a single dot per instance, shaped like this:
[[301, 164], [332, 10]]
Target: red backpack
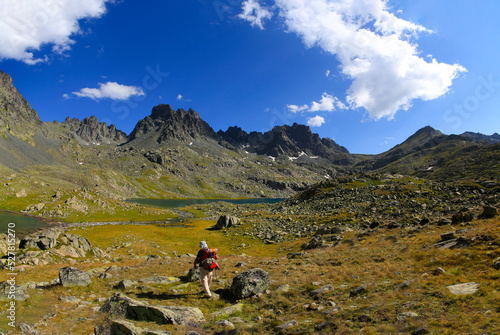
[[208, 259]]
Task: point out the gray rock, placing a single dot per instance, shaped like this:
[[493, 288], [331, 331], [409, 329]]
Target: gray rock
[[227, 311], [463, 289], [489, 212], [225, 324], [359, 290], [448, 236], [79, 242], [404, 285], [125, 284], [326, 325], [287, 325], [283, 288], [43, 240], [9, 289], [407, 315], [226, 221], [70, 276], [249, 283], [438, 271], [120, 327], [496, 263], [420, 331], [322, 290], [126, 307], [69, 251], [193, 275]]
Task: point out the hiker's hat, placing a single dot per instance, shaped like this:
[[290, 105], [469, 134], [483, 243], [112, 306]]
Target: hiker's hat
[[203, 245]]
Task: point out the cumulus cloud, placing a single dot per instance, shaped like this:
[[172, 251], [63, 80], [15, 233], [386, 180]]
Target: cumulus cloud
[[327, 103], [376, 51], [254, 13], [27, 25], [316, 121], [296, 108], [110, 90], [179, 97]]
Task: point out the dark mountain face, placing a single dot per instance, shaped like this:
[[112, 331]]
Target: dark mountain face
[[292, 141], [165, 124], [91, 131], [16, 115], [495, 138]]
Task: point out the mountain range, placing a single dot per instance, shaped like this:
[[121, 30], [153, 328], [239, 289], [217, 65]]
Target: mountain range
[[175, 153]]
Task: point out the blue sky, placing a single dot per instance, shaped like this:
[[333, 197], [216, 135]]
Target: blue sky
[[366, 73]]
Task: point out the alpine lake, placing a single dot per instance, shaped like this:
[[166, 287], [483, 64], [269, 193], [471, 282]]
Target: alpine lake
[[23, 225]]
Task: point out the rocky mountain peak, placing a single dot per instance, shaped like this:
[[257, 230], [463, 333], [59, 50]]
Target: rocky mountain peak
[[292, 141], [91, 131], [16, 114], [165, 124]]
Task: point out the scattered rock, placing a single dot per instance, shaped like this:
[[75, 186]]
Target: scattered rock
[[407, 315], [70, 276], [464, 289], [225, 324], [438, 271], [125, 284], [21, 194], [404, 285], [359, 290], [420, 331], [326, 325], [496, 263], [322, 290], [249, 283], [283, 288], [227, 311], [489, 212], [287, 325]]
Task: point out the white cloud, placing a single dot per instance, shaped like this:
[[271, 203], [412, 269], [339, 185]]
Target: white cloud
[[27, 25], [297, 109], [179, 97], [254, 13], [375, 51], [328, 103], [316, 121], [327, 73], [110, 90]]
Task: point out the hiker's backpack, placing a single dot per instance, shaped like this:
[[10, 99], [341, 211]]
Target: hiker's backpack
[[208, 259]]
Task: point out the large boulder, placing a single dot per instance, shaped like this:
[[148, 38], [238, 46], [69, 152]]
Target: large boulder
[[43, 240], [193, 275], [249, 283], [489, 212], [70, 276], [78, 242], [126, 307], [225, 221]]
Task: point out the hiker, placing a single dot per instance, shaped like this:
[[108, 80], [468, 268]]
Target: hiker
[[206, 258]]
